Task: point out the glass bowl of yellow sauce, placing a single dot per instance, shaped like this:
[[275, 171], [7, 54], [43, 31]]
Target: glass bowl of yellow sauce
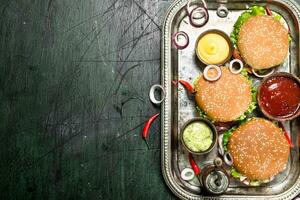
[[214, 47], [199, 136]]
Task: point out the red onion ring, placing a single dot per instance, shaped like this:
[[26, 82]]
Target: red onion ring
[[208, 67], [177, 43], [268, 11], [194, 20], [188, 6], [223, 126], [265, 75], [220, 142], [228, 158]]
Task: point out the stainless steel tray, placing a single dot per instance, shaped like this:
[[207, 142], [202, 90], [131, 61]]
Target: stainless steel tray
[[177, 108]]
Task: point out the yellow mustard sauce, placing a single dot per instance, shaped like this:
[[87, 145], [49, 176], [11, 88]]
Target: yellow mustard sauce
[[213, 48]]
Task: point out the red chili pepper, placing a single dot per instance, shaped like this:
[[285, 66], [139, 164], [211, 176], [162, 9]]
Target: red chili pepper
[[187, 86], [147, 125], [286, 135], [194, 165], [269, 12], [146, 128]]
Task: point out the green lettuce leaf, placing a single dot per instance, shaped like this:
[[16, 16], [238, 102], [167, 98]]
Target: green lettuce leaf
[[254, 94], [290, 38], [254, 183], [244, 72], [238, 175], [226, 136], [235, 173], [203, 114], [277, 17], [258, 182], [196, 81], [253, 104], [263, 71], [249, 111]]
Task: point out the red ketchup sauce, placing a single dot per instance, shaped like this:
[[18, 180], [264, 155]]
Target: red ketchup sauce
[[280, 96]]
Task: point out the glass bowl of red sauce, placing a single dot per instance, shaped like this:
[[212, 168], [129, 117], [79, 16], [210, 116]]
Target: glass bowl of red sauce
[[278, 96]]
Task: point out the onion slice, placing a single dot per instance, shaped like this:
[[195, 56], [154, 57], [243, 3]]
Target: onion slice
[[187, 174], [246, 182], [268, 11], [234, 71], [228, 158], [189, 6], [265, 75], [222, 11], [242, 178], [220, 142], [198, 16], [180, 40], [223, 126], [207, 68]]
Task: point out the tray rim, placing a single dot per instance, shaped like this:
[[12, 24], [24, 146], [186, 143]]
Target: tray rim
[[166, 115]]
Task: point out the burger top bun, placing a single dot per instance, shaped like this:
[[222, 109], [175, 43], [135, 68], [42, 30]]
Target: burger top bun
[[226, 99], [259, 149], [263, 42]]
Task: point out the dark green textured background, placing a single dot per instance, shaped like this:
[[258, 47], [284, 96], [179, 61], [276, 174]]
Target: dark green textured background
[[74, 82]]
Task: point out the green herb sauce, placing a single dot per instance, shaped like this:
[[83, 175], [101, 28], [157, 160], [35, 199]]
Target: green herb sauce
[[198, 136]]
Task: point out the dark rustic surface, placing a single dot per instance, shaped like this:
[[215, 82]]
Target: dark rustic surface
[[74, 82]]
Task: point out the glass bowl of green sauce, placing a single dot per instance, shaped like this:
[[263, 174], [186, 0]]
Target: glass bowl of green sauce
[[199, 136]]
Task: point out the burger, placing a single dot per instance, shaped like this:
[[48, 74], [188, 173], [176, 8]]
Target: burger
[[231, 98], [259, 151], [262, 40]]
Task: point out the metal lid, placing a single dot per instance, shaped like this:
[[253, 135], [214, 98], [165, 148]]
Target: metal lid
[[215, 181]]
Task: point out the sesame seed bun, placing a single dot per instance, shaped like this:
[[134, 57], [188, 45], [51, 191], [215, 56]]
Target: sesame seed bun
[[226, 99], [259, 149], [263, 42]]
